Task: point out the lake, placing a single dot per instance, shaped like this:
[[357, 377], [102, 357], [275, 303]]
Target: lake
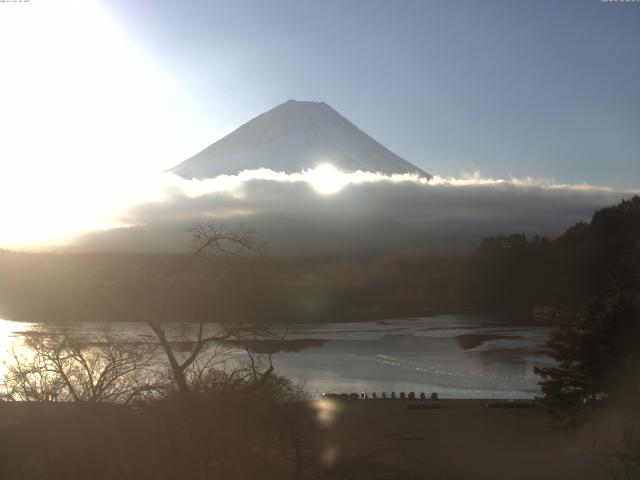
[[457, 356]]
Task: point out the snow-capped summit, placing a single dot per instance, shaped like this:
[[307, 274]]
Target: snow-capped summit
[[295, 136]]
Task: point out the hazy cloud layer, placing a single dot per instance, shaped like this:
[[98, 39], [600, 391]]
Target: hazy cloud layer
[[369, 213]]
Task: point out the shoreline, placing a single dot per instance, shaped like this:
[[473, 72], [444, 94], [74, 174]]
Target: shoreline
[[503, 317]]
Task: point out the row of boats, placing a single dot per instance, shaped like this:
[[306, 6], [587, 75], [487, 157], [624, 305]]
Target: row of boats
[[434, 403], [382, 396]]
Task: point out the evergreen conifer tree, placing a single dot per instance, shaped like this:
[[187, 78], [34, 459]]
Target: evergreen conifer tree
[[597, 351]]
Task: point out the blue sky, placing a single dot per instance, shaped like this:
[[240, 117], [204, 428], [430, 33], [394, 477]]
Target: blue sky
[[98, 97], [510, 88]]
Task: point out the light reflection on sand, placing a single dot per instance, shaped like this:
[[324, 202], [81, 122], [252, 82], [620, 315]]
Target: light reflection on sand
[[326, 411]]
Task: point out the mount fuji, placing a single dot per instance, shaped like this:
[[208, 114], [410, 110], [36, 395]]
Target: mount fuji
[[292, 137], [298, 218]]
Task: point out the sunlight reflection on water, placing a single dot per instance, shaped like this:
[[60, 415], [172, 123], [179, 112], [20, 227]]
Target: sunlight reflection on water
[[10, 340], [420, 354]]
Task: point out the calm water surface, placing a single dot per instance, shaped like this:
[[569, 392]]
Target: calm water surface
[[419, 355]]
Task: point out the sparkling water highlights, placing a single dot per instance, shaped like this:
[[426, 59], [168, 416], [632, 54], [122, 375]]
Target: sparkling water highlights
[[457, 356]]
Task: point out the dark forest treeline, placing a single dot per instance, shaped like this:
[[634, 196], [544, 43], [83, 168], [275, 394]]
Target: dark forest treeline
[[506, 272], [139, 287], [520, 273]]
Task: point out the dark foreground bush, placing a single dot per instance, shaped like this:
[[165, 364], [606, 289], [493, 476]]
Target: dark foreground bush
[[232, 437]]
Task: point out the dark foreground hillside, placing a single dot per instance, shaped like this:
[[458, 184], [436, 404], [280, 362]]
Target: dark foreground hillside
[[326, 439]]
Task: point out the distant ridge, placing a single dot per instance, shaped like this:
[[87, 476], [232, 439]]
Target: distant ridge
[[295, 136]]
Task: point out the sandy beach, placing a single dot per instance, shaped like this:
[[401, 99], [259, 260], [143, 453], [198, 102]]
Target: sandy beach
[[382, 439]]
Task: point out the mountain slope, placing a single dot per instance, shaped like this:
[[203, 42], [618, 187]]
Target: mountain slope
[[292, 137]]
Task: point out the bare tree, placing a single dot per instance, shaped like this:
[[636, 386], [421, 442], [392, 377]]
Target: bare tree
[[67, 367], [189, 370]]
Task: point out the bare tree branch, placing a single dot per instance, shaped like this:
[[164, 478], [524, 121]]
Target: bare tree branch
[[208, 238]]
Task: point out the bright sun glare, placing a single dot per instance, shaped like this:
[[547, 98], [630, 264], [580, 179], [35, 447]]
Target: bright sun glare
[[82, 111], [327, 179]]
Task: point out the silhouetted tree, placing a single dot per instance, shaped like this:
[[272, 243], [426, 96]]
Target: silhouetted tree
[[59, 367], [211, 238], [597, 350]]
